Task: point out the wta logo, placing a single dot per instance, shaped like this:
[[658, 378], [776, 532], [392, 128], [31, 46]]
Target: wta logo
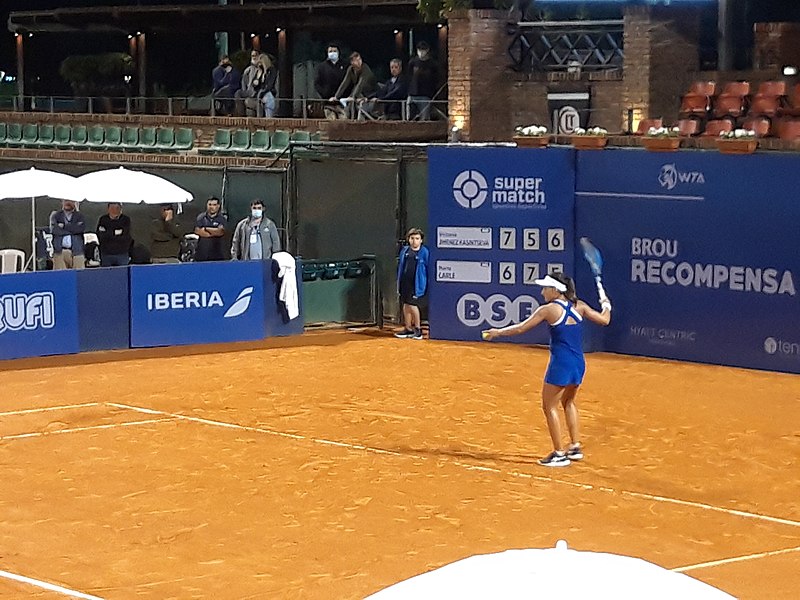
[[497, 310], [670, 176], [27, 311]]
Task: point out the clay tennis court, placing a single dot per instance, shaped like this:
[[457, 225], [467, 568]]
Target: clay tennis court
[[335, 464]]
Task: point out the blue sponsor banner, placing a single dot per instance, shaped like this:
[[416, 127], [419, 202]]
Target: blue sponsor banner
[[38, 314], [499, 219], [197, 303], [702, 253]]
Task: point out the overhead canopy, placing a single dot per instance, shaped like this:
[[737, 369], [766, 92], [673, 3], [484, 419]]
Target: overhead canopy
[[251, 17]]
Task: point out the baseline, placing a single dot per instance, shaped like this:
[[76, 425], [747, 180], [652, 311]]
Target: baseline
[[48, 586]]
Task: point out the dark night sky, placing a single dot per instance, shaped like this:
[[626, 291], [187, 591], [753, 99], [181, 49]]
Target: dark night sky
[[758, 10]]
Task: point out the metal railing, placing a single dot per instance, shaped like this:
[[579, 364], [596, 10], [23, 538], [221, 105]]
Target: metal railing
[[566, 45], [405, 110]]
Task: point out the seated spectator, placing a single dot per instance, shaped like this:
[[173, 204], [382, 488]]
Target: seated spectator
[[424, 82], [165, 236], [327, 78], [387, 101], [114, 236], [358, 82], [226, 80], [246, 95]]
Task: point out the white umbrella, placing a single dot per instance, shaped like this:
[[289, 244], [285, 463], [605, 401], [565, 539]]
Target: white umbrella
[[130, 187], [34, 183], [551, 573]]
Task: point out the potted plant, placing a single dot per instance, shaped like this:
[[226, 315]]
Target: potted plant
[[662, 139], [738, 141], [531, 136], [594, 138]]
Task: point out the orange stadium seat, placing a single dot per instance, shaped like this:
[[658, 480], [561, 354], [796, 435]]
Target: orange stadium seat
[[766, 106], [646, 124], [761, 125], [689, 127], [714, 128], [789, 130], [732, 101], [771, 88], [703, 88]]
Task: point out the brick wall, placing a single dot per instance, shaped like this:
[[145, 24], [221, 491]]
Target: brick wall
[[776, 45]]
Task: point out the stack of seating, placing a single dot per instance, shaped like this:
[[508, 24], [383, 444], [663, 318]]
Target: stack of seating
[[646, 124], [243, 142], [732, 102], [110, 138]]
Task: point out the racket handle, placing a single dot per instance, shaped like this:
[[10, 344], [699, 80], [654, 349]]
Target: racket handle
[[601, 290]]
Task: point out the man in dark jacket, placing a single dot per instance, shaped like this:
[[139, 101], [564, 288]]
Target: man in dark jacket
[[165, 236], [424, 82], [67, 226], [390, 95], [114, 237], [327, 79]]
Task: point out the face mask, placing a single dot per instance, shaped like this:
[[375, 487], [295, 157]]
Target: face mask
[[256, 213], [333, 56], [422, 53]]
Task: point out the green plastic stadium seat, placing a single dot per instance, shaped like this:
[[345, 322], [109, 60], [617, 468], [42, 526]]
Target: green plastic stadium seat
[[62, 136], [79, 138], [259, 142], [221, 143], [147, 139], [165, 139], [113, 138], [184, 139], [96, 137], [14, 135], [3, 133], [240, 141], [316, 136], [30, 133], [280, 141], [300, 136], [46, 136], [130, 139]]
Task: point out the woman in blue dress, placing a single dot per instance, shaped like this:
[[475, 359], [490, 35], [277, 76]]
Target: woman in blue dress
[[565, 314]]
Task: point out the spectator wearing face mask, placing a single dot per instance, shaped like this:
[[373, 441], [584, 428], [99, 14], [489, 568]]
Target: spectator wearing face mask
[[424, 82], [255, 236], [327, 79]]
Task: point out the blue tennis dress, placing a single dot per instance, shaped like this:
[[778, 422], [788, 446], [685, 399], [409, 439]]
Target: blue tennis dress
[[567, 365]]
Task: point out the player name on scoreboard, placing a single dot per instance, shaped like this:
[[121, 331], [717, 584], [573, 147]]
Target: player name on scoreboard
[[479, 238], [459, 271]]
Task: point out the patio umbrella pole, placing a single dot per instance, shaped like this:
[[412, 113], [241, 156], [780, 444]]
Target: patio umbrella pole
[[33, 234]]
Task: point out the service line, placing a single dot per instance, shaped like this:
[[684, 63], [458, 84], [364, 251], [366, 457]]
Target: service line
[[33, 434], [472, 467], [45, 409]]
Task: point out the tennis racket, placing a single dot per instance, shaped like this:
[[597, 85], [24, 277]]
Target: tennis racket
[[595, 260]]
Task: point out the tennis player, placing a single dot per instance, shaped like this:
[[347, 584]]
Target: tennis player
[[565, 314]]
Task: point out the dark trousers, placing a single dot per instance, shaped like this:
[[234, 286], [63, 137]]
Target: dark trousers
[[114, 260]]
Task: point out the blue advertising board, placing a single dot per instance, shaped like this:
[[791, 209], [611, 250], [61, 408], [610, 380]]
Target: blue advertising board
[[702, 253], [499, 219], [197, 303], [38, 314]]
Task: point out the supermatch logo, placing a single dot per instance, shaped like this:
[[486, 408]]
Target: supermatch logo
[[471, 189]]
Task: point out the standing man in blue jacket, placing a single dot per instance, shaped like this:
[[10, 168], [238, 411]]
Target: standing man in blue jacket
[[67, 226], [412, 283]]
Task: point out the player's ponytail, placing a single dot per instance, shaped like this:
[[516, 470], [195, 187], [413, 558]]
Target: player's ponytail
[[570, 294]]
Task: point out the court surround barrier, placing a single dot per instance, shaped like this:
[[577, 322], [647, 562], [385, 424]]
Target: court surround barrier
[[702, 259], [65, 312]]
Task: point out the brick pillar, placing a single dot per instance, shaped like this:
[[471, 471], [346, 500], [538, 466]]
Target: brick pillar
[[661, 56], [479, 85]]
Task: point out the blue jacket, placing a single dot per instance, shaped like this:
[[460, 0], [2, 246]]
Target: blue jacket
[[421, 276], [59, 227]]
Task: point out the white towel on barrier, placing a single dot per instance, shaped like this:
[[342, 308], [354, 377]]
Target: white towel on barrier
[[288, 292]]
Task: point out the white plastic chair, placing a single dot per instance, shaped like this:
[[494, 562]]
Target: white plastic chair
[[12, 261]]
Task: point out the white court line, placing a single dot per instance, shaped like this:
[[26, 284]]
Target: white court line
[[644, 196], [472, 467], [48, 586], [19, 436], [36, 410], [734, 559]]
